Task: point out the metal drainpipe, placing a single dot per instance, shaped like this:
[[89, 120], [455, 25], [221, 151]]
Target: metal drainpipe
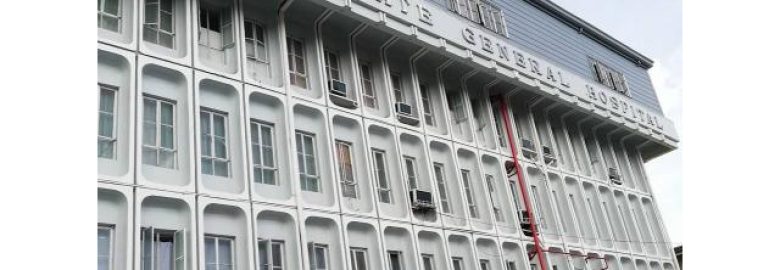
[[511, 141]]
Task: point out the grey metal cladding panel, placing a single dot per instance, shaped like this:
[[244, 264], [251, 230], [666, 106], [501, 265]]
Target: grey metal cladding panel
[[538, 32]]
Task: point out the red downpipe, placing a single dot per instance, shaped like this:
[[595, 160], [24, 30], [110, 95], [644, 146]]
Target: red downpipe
[[537, 243]]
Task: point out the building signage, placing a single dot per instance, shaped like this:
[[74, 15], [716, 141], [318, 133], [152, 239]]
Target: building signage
[[434, 25]]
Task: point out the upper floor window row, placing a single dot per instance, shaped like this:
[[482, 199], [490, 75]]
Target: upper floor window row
[[481, 12], [609, 77]]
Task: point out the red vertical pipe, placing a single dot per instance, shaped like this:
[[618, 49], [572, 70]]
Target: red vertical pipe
[[521, 182]]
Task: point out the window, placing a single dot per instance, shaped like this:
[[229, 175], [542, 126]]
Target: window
[[216, 27], [270, 254], [105, 247], [159, 132], [297, 62], [359, 258], [395, 83], [255, 42], [438, 171], [367, 79], [476, 110], [213, 143], [593, 217], [608, 76], [482, 12], [426, 101], [411, 172], [346, 174], [110, 15], [534, 267], [427, 261], [497, 119], [514, 191], [395, 259], [163, 249], [537, 206], [558, 210], [107, 121], [458, 111], [380, 171], [484, 264], [307, 161], [457, 263], [489, 181], [263, 159], [318, 256], [332, 69], [511, 265], [219, 252], [473, 210], [159, 22]]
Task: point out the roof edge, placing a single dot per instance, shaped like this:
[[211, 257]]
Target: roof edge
[[592, 32]]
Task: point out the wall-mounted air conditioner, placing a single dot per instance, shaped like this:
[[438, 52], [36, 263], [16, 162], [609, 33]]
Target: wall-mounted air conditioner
[[614, 176], [338, 94], [421, 200], [403, 108], [528, 148], [337, 88]]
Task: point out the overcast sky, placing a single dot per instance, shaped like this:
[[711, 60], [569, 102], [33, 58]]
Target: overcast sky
[[654, 29]]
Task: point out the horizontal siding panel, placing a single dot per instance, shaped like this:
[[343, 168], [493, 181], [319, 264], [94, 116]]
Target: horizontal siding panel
[[534, 30]]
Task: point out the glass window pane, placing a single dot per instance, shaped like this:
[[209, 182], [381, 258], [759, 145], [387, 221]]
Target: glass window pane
[[310, 166], [255, 154], [250, 49], [166, 137], [257, 173], [248, 30], [150, 134], [205, 145], [220, 149], [221, 168], [166, 40], [262, 255], [106, 125], [206, 166], [219, 125], [150, 110], [166, 113], [149, 156], [276, 253], [225, 251], [269, 176], [111, 7], [211, 250], [166, 5], [167, 159], [105, 149], [268, 157], [267, 136], [151, 13]]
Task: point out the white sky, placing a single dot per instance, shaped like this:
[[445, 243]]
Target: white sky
[[654, 29]]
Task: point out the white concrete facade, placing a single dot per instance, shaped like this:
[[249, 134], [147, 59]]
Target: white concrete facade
[[218, 136]]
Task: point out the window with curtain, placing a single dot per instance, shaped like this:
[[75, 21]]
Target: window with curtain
[[411, 172], [307, 161], [159, 22], [349, 186], [380, 171], [105, 246], [270, 254], [332, 69], [318, 256], [457, 109], [110, 15], [254, 40], [218, 252], [159, 132], [216, 27], [213, 143], [511, 265], [438, 173], [358, 258], [490, 183], [107, 121], [263, 159], [296, 57], [473, 210], [367, 80], [427, 109], [163, 249], [395, 83]]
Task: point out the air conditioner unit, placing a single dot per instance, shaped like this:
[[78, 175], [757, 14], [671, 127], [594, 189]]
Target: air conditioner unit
[[421, 200], [614, 176], [403, 108], [525, 223], [338, 88]]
